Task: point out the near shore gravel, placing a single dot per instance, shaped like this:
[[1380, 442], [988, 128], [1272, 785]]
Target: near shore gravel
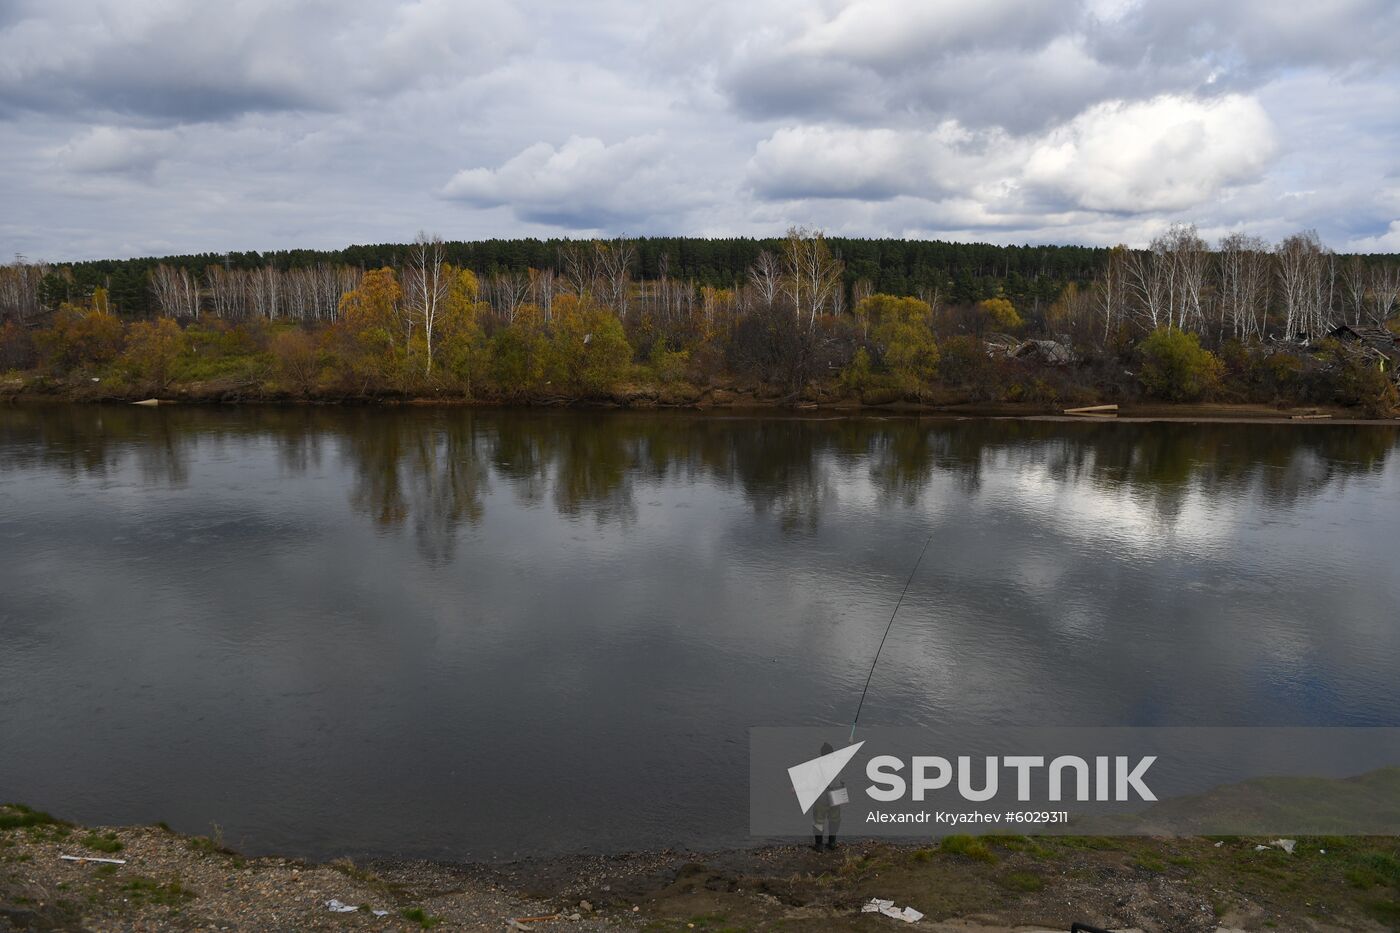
[[169, 881]]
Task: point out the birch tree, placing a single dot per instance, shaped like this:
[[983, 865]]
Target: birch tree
[[1148, 283], [265, 291], [613, 266], [19, 289], [176, 292], [811, 274], [1385, 291], [1111, 294], [1244, 285], [1355, 282], [426, 281], [1300, 277], [765, 276]]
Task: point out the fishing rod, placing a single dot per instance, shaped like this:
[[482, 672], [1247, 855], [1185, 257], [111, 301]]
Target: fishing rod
[[889, 626]]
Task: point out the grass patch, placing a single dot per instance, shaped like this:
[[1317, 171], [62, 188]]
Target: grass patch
[[1373, 870], [859, 867], [18, 816], [207, 846], [1150, 863], [421, 917], [104, 842], [1387, 912], [1022, 881], [350, 870], [970, 846], [144, 890], [1097, 843], [1024, 844]]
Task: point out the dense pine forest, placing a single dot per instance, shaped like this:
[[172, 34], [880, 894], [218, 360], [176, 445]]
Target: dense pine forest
[[804, 318], [963, 272]]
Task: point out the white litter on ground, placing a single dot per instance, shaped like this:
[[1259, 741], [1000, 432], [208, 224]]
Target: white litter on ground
[[1285, 844], [880, 906], [93, 858], [336, 905]]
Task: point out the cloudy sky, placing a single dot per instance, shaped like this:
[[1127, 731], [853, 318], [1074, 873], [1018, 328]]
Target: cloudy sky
[[132, 127]]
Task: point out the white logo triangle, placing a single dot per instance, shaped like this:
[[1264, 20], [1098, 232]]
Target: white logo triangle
[[811, 778]]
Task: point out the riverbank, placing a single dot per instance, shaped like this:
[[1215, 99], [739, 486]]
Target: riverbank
[[750, 398], [166, 880]]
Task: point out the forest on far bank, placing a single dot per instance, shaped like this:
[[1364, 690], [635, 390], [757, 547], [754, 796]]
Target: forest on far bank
[[803, 318]]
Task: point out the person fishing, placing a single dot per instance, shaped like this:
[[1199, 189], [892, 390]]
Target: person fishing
[[826, 812]]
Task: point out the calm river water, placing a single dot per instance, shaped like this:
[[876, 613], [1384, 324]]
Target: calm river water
[[475, 635]]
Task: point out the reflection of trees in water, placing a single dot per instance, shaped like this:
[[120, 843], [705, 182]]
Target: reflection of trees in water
[[594, 459], [428, 471], [432, 467], [521, 454], [586, 460], [446, 480], [374, 451], [1160, 466], [98, 441], [781, 467]]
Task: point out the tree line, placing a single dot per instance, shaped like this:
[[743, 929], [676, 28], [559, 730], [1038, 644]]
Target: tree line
[[954, 271], [1180, 318]]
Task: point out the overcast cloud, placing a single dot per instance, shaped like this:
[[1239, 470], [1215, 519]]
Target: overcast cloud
[[134, 127]]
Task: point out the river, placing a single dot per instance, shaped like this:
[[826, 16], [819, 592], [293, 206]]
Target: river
[[477, 634]]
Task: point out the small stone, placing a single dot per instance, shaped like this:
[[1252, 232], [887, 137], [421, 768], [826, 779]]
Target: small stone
[[584, 905], [574, 918], [635, 909]]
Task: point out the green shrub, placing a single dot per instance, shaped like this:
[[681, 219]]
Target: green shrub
[[1175, 367], [667, 365], [421, 917], [855, 377], [970, 846], [17, 816], [106, 842]]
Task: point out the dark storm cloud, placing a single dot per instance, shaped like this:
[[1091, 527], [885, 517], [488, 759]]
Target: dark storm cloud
[[176, 125]]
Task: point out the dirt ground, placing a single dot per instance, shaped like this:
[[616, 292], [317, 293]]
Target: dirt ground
[[170, 881]]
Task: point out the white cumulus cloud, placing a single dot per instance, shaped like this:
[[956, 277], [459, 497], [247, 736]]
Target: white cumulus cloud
[[1165, 154], [583, 184], [112, 150]]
